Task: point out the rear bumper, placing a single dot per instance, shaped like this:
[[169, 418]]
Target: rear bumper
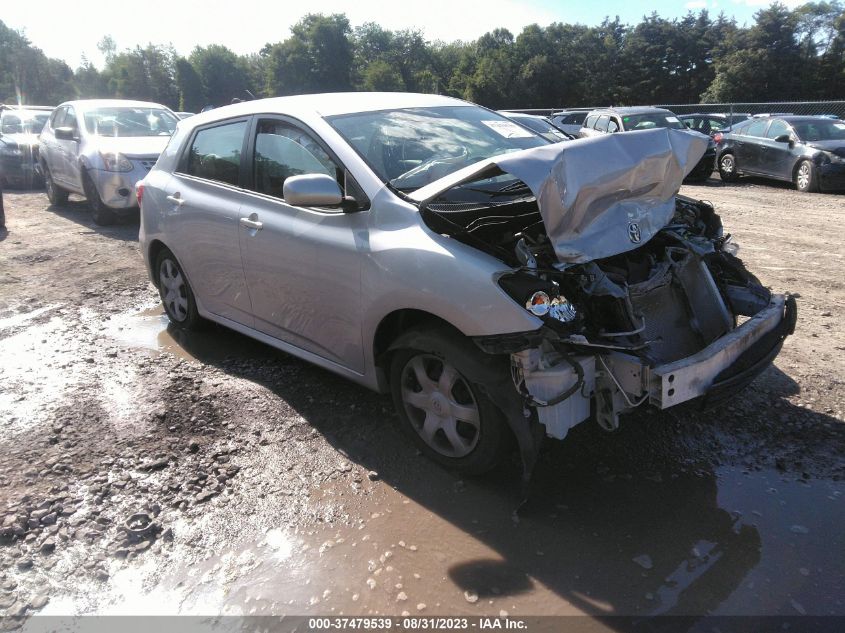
[[728, 364]]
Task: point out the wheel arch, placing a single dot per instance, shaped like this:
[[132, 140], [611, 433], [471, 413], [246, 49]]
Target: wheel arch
[[391, 327]]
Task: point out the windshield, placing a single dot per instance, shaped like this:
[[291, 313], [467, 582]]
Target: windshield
[[410, 148], [23, 122], [823, 130], [651, 120], [124, 121]]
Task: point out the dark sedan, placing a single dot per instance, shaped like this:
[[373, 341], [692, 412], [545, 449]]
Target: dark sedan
[[19, 129], [808, 151]]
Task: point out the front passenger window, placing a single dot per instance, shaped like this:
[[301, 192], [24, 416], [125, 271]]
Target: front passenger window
[[282, 151], [216, 153]]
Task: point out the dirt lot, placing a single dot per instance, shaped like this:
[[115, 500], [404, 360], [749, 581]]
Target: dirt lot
[[143, 473]]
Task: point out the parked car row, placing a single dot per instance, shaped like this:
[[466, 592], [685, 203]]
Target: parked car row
[[808, 151], [496, 306]]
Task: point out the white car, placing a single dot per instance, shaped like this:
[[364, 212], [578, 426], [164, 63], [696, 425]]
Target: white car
[[100, 148], [499, 285]]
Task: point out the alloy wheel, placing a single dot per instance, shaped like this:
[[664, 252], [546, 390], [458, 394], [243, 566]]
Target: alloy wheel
[[728, 164], [803, 176], [174, 292], [440, 405]]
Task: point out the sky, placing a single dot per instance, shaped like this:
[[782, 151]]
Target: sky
[[246, 25]]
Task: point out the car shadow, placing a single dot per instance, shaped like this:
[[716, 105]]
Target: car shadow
[[76, 210], [613, 522]]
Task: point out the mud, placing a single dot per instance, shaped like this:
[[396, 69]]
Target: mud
[[274, 487]]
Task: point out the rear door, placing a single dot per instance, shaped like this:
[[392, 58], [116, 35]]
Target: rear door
[[202, 210], [302, 264]]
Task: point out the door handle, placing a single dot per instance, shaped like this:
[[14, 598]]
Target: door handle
[[176, 199], [252, 224]]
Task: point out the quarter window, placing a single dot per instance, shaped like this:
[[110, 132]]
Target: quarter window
[[216, 153], [282, 151]]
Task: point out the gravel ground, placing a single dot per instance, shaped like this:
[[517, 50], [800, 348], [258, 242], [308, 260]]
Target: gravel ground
[[148, 472]]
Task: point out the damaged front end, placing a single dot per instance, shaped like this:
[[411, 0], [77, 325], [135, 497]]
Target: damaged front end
[[642, 298]]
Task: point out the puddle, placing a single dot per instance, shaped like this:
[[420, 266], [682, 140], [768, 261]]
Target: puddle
[[34, 370], [726, 543], [150, 329]]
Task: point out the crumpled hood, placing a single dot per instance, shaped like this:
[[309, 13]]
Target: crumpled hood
[[599, 196], [835, 147], [131, 145]]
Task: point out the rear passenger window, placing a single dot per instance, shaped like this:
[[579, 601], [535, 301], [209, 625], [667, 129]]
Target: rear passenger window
[[216, 153]]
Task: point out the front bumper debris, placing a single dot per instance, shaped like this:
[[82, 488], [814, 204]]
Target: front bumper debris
[[619, 382], [734, 359]]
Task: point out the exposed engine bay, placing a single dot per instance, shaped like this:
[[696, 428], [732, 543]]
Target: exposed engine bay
[[658, 323]]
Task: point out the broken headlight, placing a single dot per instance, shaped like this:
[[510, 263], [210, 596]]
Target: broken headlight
[[559, 308], [540, 297]]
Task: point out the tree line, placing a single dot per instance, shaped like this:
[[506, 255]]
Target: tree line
[[785, 54]]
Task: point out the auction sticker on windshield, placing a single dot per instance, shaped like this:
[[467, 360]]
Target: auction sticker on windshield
[[508, 129], [673, 119]]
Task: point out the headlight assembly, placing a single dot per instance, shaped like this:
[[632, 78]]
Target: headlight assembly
[[115, 162]]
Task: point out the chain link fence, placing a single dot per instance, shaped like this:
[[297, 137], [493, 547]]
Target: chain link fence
[[836, 108]]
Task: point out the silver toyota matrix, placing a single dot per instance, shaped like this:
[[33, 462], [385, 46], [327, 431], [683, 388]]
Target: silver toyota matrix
[[498, 285]]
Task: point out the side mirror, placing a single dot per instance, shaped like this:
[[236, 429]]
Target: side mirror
[[64, 133], [312, 190], [783, 138]]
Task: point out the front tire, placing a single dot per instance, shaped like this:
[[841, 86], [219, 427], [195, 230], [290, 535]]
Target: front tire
[[175, 292], [55, 194], [100, 213], [727, 168], [447, 416], [806, 179]]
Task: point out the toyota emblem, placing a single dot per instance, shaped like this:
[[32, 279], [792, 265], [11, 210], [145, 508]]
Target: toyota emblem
[[634, 232]]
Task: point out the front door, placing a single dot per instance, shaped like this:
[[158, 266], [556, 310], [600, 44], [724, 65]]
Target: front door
[[302, 265]]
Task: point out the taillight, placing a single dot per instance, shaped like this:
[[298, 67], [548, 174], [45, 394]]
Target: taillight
[[718, 137], [139, 192]]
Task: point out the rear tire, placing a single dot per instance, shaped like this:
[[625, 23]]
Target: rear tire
[[176, 294], [55, 194], [100, 213], [447, 416], [727, 167], [806, 178]]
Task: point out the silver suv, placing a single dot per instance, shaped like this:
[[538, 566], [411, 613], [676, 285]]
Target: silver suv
[[498, 285], [100, 149]]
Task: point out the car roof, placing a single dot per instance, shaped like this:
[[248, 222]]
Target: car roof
[[627, 110], [329, 104], [90, 104], [719, 115], [806, 117]]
